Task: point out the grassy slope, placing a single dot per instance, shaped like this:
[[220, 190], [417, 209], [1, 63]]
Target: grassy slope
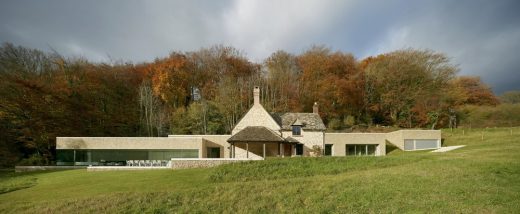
[[480, 178]]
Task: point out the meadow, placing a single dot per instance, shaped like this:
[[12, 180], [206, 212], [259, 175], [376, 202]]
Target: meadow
[[483, 177]]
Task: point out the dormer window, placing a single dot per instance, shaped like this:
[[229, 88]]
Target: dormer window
[[297, 130]]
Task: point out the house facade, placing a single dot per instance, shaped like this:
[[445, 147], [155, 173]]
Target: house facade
[[259, 134]]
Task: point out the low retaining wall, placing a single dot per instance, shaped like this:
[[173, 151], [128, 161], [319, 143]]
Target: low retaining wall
[[124, 168], [42, 168], [185, 163]]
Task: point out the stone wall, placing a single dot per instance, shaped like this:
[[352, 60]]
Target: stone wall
[[256, 116], [179, 163], [308, 139]]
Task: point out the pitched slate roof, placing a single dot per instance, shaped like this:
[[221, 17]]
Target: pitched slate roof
[[309, 121], [256, 134]]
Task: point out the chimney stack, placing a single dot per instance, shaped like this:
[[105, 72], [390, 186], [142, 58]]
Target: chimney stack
[[256, 95], [315, 108]]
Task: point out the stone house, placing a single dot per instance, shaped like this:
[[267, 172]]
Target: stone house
[[257, 135]]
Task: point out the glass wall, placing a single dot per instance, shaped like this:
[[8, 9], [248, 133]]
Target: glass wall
[[119, 157], [418, 144], [361, 149]]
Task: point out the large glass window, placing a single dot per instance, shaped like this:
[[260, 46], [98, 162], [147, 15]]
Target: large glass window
[[360, 150], [408, 145], [117, 157], [418, 144], [426, 144]]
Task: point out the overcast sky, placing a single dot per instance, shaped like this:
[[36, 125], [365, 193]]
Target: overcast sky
[[481, 36]]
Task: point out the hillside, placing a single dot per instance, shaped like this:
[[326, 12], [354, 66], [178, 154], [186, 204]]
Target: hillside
[[483, 177]]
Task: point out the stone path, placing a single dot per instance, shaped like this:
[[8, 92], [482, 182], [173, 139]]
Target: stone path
[[448, 148]]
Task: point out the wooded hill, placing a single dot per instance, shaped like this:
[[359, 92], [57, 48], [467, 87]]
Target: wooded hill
[[45, 95]]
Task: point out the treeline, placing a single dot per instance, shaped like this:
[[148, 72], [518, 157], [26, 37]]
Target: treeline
[[45, 95]]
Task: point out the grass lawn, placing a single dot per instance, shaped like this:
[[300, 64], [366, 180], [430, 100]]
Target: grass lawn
[[483, 177]]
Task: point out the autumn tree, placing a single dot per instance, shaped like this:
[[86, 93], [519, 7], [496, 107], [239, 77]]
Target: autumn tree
[[334, 80], [474, 91], [281, 87], [403, 83], [170, 80], [512, 97]]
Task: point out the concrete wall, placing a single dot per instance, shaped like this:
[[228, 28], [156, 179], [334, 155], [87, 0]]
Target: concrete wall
[[397, 138], [123, 143], [308, 139], [339, 140], [202, 142], [209, 141]]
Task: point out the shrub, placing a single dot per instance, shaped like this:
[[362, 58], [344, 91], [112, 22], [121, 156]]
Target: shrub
[[335, 124], [34, 160], [503, 115], [316, 151], [349, 121]]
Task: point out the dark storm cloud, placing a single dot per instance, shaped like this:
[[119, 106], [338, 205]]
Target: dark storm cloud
[[482, 37]]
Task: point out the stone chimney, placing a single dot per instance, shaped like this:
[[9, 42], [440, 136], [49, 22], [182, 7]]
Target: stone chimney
[[256, 95], [315, 108]]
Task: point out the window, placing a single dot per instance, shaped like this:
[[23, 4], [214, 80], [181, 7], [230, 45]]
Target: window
[[419, 144], [213, 152], [102, 156], [361, 150], [296, 130], [425, 144]]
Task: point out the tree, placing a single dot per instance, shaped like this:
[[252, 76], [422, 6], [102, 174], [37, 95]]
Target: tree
[[153, 113], [475, 91], [512, 97], [334, 80], [170, 80], [400, 84], [282, 83]]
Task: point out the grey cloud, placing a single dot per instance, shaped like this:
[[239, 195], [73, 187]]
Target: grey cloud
[[483, 37]]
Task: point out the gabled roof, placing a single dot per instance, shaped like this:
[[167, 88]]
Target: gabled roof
[[256, 134], [298, 122], [310, 121], [256, 116]]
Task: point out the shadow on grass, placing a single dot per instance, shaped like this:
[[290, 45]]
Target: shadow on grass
[[11, 181], [390, 148]]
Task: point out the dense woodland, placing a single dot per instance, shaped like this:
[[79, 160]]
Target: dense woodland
[[45, 95]]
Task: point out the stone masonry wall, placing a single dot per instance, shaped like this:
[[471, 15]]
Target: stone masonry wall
[[202, 163]]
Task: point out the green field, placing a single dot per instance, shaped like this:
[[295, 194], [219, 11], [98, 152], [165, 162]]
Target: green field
[[483, 177]]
